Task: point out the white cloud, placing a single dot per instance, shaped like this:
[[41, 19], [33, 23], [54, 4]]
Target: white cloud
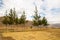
[[28, 6], [53, 3], [48, 5], [19, 5]]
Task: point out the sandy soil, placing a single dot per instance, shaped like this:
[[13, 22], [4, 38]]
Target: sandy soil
[[33, 35]]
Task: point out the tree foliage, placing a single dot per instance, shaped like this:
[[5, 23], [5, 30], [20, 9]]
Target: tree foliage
[[12, 18], [16, 20], [22, 19], [44, 21], [5, 21], [37, 20]]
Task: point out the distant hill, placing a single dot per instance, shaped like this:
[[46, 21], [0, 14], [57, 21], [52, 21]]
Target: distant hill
[[55, 25]]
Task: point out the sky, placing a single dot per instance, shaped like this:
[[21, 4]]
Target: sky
[[48, 8]]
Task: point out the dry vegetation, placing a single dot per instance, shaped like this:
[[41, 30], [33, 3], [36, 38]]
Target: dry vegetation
[[28, 32], [34, 34]]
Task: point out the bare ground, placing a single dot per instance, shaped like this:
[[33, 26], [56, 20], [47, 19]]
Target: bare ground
[[42, 34]]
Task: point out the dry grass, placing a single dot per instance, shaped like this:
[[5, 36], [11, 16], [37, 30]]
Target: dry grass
[[42, 34]]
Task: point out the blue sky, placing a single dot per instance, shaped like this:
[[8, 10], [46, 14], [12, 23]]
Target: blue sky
[[48, 8], [1, 3]]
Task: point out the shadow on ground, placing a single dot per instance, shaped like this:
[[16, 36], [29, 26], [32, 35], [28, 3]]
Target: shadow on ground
[[5, 38]]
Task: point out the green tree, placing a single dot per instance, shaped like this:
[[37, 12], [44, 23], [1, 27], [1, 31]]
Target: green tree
[[44, 21], [16, 20], [22, 19], [5, 20], [14, 15], [11, 17], [36, 20]]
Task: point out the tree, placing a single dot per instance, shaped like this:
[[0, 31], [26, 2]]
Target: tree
[[44, 21], [14, 15], [22, 19], [5, 20], [11, 17], [37, 20], [16, 20]]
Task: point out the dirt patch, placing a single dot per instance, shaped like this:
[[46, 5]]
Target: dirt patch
[[31, 35]]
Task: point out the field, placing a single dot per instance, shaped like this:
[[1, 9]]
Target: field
[[42, 34]]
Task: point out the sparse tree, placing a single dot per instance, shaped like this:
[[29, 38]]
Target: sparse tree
[[16, 20], [14, 15], [36, 20], [22, 19], [11, 17], [5, 20], [44, 21]]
